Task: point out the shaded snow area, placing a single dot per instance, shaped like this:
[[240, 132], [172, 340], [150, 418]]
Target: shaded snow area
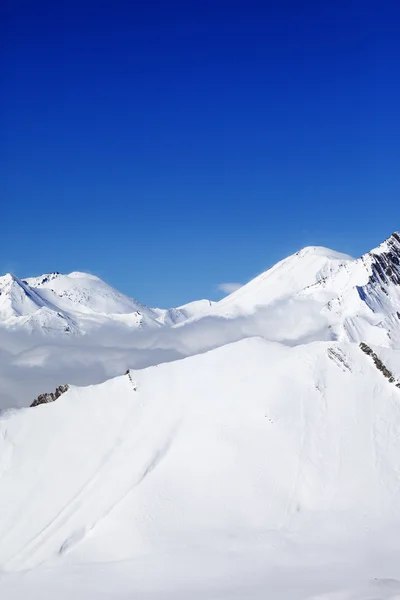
[[247, 449]]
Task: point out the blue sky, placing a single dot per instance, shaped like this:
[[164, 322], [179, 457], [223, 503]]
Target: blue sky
[[169, 147]]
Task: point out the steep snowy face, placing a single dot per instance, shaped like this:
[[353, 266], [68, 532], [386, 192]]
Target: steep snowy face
[[23, 306], [385, 262], [17, 299], [365, 299], [350, 299], [379, 269], [284, 280]]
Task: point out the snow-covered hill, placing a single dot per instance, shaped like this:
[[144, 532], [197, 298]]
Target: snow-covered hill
[[252, 450], [79, 303]]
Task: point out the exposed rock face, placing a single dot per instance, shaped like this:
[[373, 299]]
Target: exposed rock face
[[339, 358], [379, 364], [128, 372], [44, 279], [50, 397], [386, 264]]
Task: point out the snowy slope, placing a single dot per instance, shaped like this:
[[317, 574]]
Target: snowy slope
[[22, 305], [254, 446], [86, 293], [314, 295], [252, 451], [368, 301], [286, 279], [352, 299], [17, 299], [195, 309], [78, 303]]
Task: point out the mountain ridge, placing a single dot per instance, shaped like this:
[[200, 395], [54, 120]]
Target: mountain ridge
[[389, 247], [357, 298], [253, 439]]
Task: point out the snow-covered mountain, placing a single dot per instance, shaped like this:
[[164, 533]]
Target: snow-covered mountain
[[84, 293], [352, 299], [76, 328], [247, 448], [78, 303], [256, 466]]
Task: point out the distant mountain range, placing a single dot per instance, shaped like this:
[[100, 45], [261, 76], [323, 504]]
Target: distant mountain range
[[340, 297], [76, 303]]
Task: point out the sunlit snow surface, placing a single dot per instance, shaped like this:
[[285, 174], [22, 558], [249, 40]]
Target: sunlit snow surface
[[252, 451]]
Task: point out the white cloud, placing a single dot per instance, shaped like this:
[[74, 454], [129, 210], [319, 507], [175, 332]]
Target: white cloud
[[228, 288]]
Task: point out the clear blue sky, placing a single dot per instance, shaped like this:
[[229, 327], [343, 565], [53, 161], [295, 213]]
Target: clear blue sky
[[171, 146]]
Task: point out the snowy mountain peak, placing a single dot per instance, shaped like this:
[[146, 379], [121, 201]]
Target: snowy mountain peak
[[9, 279], [286, 279], [16, 298], [85, 293], [320, 294], [391, 244], [322, 251], [353, 299], [82, 275], [41, 279], [385, 264]]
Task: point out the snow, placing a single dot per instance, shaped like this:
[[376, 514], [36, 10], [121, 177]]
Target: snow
[[16, 299], [286, 278], [316, 294], [84, 292], [251, 451], [190, 310], [254, 451]]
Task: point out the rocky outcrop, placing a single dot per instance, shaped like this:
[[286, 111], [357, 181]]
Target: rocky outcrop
[[379, 364], [134, 385], [50, 397], [385, 264], [339, 358], [44, 278]]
